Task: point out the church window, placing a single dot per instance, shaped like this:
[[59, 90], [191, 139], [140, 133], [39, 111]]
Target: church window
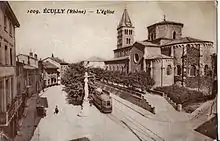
[[192, 71], [169, 70], [174, 35], [136, 58], [178, 69], [206, 70]]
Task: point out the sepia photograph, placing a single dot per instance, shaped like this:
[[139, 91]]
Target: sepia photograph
[[108, 71]]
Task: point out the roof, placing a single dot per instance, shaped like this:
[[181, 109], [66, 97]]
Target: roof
[[125, 20], [10, 13], [49, 65], [184, 40], [42, 102], [118, 59], [104, 96], [126, 47], [26, 56], [159, 56], [164, 22], [147, 43], [56, 59]]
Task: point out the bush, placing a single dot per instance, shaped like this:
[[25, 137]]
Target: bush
[[182, 95]]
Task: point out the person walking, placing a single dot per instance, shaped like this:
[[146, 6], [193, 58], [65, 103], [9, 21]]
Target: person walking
[[56, 110]]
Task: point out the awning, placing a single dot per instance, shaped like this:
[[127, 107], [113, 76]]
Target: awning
[[42, 102]]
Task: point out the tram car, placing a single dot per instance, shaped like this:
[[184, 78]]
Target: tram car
[[102, 100]]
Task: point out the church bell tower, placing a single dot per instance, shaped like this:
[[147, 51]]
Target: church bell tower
[[125, 31]]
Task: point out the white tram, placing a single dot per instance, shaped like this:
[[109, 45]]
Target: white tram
[[102, 100]]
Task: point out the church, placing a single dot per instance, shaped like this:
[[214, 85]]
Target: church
[[166, 55]]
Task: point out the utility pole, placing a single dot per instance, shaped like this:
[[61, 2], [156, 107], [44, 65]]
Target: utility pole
[[199, 68]]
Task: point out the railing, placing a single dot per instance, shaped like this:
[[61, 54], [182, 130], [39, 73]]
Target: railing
[[4, 136], [5, 117]]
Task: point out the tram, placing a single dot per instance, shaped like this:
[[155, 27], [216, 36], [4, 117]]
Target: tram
[[102, 100]]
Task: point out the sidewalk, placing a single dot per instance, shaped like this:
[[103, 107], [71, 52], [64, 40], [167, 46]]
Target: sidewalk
[[29, 120]]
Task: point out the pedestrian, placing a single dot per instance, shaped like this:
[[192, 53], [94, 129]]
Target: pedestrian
[[56, 110]]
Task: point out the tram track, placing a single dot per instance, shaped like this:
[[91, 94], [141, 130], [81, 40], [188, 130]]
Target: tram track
[[122, 118]]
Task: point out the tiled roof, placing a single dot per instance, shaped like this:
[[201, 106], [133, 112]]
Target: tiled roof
[[184, 40], [147, 43], [159, 56], [118, 59], [49, 65]]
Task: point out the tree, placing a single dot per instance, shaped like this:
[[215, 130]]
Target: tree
[[73, 81]]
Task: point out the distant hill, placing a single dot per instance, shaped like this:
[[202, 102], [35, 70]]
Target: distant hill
[[95, 59]]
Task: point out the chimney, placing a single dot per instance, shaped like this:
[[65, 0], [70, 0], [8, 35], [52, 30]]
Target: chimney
[[31, 54], [35, 56]]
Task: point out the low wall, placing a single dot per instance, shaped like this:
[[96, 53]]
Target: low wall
[[178, 107], [136, 99]]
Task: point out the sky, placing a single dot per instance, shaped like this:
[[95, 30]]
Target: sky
[[75, 37]]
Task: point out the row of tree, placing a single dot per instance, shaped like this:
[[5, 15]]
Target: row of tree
[[73, 80], [132, 80]]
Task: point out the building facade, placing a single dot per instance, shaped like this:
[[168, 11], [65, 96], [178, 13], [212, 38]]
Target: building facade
[[9, 99], [166, 55], [30, 73], [50, 74]]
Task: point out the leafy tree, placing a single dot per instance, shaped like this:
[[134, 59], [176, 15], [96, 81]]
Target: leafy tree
[[73, 81]]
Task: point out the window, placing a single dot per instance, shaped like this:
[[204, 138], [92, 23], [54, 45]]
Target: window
[[5, 22], [11, 58], [126, 31], [7, 93], [206, 68], [178, 70], [174, 35], [193, 70], [136, 58], [10, 29], [169, 70], [130, 32], [1, 61], [12, 87], [1, 95], [6, 55]]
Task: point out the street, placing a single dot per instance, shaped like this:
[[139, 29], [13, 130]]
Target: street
[[66, 125], [126, 122]]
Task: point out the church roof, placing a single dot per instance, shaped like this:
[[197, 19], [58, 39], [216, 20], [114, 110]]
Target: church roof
[[49, 65], [159, 56], [118, 59], [147, 43], [164, 22], [125, 20], [184, 40]]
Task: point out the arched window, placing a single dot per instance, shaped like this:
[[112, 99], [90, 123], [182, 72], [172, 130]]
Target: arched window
[[113, 68], [174, 35], [178, 70], [169, 70], [121, 68], [193, 70], [206, 69]]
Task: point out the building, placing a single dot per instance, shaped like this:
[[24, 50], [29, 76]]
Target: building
[[165, 55], [9, 99], [60, 64], [50, 74], [30, 73], [94, 62]]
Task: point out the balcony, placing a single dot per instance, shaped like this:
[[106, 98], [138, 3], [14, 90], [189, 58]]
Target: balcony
[[5, 117]]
